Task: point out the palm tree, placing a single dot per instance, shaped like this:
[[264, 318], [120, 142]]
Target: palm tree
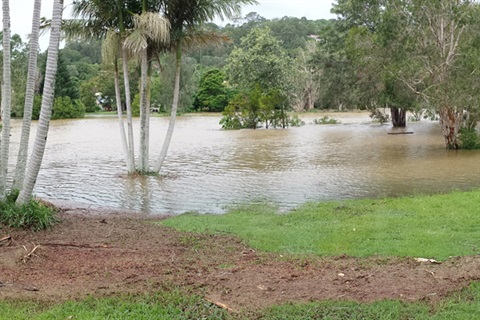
[[97, 18], [151, 32], [6, 100], [29, 95], [35, 161], [185, 17]]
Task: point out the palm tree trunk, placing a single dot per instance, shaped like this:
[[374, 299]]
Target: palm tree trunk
[[6, 100], [123, 137], [173, 115], [126, 79], [35, 161], [144, 115], [29, 96]]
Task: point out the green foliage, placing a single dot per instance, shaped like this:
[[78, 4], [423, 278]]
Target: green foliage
[[259, 61], [64, 108], [469, 139], [436, 226], [326, 120], [34, 215], [295, 121], [379, 116], [213, 94], [252, 108], [87, 95], [136, 105]]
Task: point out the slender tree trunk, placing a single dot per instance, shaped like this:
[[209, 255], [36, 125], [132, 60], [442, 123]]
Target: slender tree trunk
[[6, 100], [144, 115], [398, 117], [29, 97], [35, 161], [126, 79], [173, 115], [123, 137]]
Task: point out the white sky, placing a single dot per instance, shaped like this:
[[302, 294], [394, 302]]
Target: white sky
[[21, 12]]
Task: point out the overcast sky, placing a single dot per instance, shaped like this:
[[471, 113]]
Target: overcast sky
[[21, 12]]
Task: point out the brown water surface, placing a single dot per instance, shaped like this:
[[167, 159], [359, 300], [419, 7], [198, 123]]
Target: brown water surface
[[209, 169]]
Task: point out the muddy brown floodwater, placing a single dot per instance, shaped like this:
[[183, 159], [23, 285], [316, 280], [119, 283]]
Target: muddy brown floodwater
[[208, 169]]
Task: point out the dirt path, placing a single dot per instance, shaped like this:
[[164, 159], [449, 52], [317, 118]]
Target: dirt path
[[109, 254]]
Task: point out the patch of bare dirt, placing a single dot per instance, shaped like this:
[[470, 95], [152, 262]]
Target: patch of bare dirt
[[106, 254]]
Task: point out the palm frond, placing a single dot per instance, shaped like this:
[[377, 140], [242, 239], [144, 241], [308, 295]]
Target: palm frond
[[203, 38], [110, 46]]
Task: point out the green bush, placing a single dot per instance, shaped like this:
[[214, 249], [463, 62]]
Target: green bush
[[33, 215], [136, 105], [326, 120], [65, 108], [469, 139]]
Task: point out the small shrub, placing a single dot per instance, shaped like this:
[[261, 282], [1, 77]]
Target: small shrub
[[379, 116], [326, 120], [65, 108], [33, 215], [469, 139], [295, 121]]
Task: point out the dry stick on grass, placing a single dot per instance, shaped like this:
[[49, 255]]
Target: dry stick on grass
[[221, 305]]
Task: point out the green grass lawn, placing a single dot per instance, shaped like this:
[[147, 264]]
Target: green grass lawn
[[174, 305], [437, 226]]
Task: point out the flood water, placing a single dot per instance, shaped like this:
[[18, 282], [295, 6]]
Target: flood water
[[209, 170]]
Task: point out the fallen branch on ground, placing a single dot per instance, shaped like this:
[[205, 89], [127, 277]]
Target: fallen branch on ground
[[7, 240], [31, 253], [221, 305]]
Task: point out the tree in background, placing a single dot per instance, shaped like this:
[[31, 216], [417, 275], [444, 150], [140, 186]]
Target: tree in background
[[258, 67], [212, 94]]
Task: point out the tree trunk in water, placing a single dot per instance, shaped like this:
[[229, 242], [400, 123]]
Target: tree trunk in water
[[451, 120], [173, 115], [6, 100], [398, 117], [46, 111], [126, 78], [29, 97], [144, 115], [123, 137]]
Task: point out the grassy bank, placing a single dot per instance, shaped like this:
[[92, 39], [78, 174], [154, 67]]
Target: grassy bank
[[437, 226], [174, 305]]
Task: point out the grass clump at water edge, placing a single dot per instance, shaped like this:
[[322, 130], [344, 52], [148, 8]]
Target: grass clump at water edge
[[34, 215], [435, 226]]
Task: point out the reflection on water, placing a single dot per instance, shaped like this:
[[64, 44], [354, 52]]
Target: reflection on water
[[208, 169]]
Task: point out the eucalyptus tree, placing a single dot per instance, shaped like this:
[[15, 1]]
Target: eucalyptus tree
[[185, 17], [29, 97], [38, 151], [6, 99]]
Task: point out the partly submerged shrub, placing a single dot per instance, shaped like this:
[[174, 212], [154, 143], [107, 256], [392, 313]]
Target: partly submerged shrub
[[469, 139], [34, 215], [326, 120]]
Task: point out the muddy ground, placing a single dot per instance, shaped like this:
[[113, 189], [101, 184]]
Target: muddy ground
[[107, 253]]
